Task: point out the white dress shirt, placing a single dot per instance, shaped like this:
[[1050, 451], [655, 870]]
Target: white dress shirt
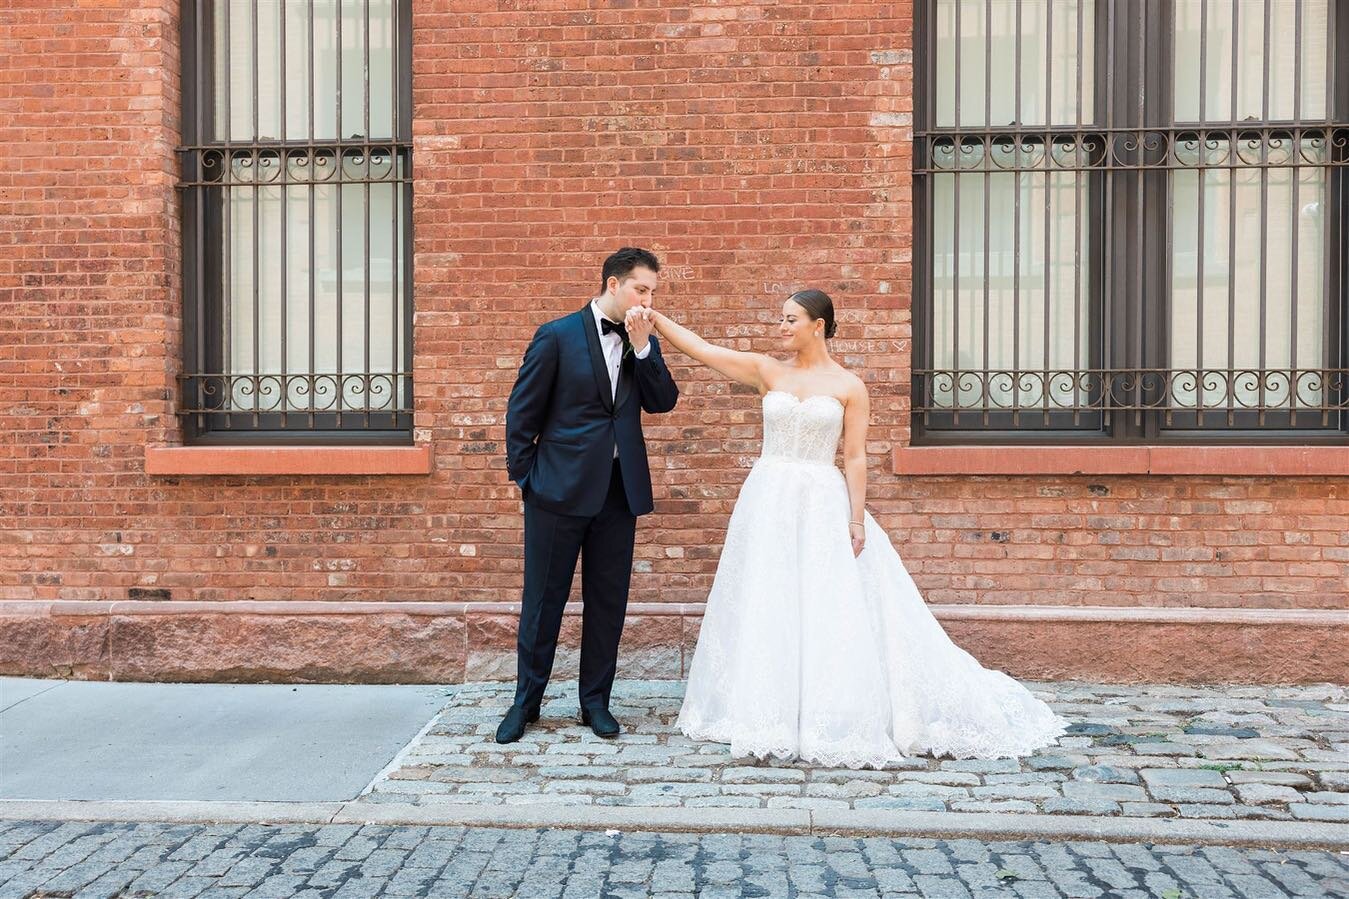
[[612, 345]]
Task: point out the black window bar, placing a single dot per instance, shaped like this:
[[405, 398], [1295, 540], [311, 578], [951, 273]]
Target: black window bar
[[1131, 220], [296, 180]]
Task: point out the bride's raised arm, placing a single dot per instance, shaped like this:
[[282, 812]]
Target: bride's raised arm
[[746, 368]]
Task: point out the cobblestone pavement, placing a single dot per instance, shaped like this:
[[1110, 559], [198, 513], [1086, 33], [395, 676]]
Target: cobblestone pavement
[[338, 862], [1278, 753]]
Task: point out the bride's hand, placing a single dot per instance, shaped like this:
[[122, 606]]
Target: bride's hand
[[638, 321], [654, 318], [858, 532]]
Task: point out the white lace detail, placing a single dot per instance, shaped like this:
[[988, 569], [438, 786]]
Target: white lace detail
[[809, 653], [802, 430]]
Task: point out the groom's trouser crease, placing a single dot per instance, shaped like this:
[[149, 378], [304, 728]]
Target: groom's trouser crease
[[606, 573], [553, 542]]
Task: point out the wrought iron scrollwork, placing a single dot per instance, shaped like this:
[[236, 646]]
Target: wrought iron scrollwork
[[1088, 390], [1178, 147], [296, 395]]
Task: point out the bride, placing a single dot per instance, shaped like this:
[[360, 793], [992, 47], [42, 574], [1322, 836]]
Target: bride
[[815, 644]]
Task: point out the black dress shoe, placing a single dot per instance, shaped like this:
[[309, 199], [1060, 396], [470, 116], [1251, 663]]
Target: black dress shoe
[[512, 726], [600, 721]]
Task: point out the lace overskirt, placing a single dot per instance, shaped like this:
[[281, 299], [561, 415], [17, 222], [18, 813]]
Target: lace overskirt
[[809, 653]]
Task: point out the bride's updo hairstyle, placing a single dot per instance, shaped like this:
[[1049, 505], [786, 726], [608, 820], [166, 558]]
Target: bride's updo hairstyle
[[817, 305]]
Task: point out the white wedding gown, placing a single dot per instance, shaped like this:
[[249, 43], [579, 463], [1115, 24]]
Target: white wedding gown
[[807, 652]]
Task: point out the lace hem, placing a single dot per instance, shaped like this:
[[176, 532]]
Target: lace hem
[[744, 746], [1008, 745], [940, 744]]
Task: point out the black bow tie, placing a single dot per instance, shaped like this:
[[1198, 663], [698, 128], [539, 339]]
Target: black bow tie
[[608, 327]]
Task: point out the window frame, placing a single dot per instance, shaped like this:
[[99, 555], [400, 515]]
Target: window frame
[[1129, 210], [202, 381]]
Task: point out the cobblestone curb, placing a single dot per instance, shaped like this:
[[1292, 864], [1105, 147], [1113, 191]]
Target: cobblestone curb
[[796, 822]]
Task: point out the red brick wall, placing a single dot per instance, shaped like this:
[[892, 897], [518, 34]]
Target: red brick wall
[[756, 147], [1112, 540], [89, 327]]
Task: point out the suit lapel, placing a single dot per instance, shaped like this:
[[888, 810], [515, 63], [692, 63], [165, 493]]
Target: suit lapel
[[587, 322], [624, 379]]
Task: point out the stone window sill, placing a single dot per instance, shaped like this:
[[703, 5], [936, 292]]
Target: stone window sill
[[1287, 461], [288, 460]]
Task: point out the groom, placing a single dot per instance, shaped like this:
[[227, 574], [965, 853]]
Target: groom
[[574, 445]]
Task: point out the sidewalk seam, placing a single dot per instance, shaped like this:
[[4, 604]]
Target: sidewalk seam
[[17, 703]]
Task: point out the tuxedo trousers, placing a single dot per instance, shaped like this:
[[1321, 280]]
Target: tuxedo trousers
[[552, 544]]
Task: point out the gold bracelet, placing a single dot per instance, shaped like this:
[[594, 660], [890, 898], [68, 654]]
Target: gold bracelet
[[858, 522]]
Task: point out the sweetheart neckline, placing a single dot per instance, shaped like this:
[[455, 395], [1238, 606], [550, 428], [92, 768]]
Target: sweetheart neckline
[[813, 396]]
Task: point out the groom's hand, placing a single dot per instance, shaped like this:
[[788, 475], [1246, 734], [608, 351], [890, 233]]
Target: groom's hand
[[639, 324]]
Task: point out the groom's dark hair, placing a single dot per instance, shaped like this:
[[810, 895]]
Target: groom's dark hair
[[621, 264]]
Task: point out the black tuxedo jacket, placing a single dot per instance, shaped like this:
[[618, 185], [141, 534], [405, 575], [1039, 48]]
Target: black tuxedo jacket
[[562, 424]]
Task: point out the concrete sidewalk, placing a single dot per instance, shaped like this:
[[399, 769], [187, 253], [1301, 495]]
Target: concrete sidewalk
[[81, 740], [1229, 765]]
